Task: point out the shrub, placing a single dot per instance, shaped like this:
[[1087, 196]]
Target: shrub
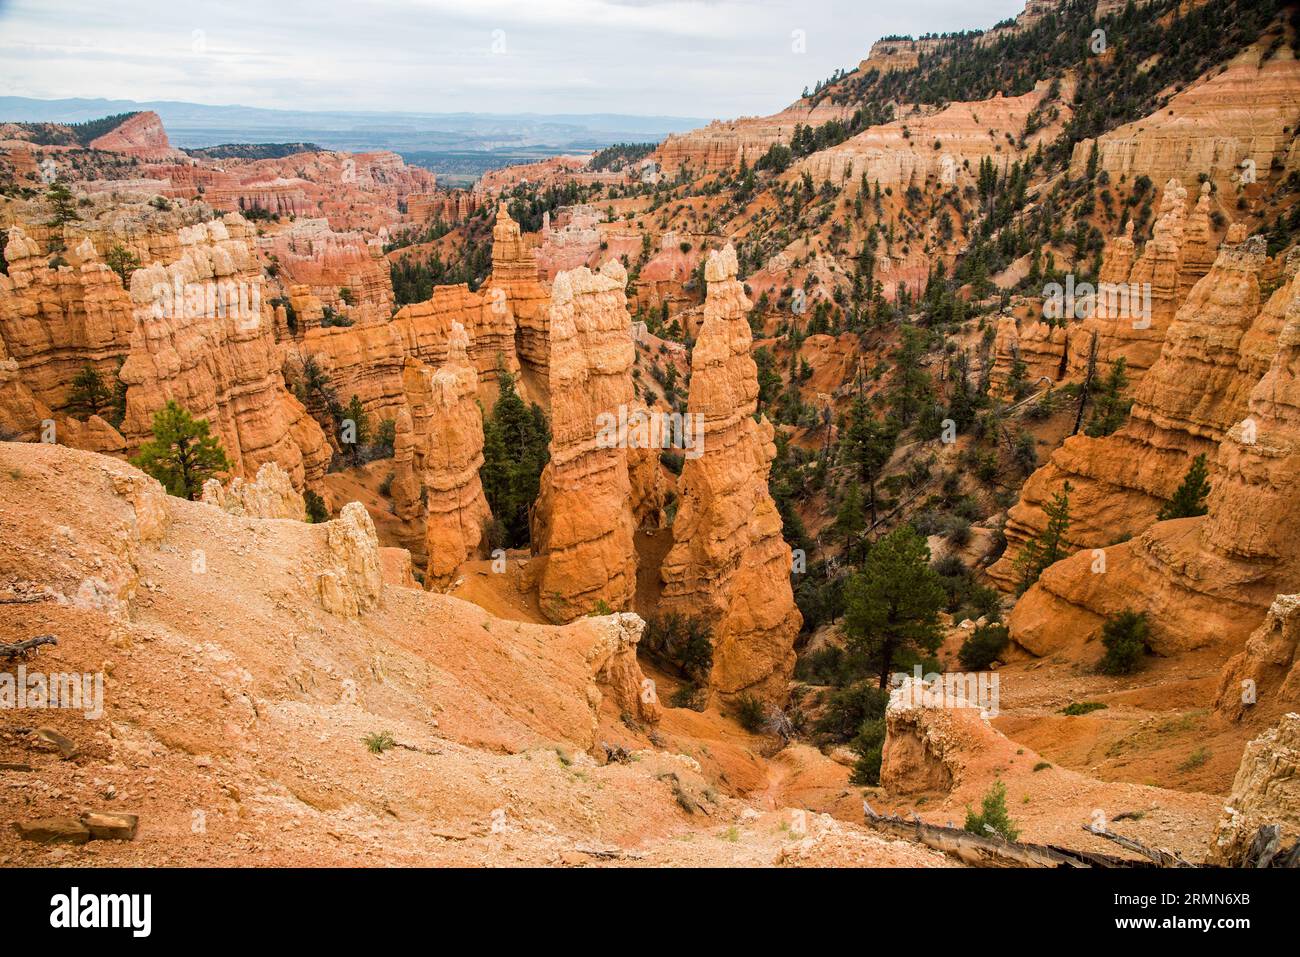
[[681, 642], [1125, 637], [848, 708], [751, 713], [993, 815], [1195, 760], [1082, 707], [379, 742], [316, 510], [689, 695], [1042, 766], [869, 744], [983, 647]]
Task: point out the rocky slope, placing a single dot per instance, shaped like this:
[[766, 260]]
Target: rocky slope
[[238, 697]]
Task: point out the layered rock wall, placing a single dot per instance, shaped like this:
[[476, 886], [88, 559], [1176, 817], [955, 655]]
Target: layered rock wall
[[219, 363]]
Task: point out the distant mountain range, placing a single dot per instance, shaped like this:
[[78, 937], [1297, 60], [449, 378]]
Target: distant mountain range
[[448, 142]]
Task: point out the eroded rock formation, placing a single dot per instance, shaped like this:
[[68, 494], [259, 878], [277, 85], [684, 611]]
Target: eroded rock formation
[[204, 337], [583, 522], [514, 285], [1267, 671], [270, 495], [1266, 791], [352, 581], [1183, 407], [446, 451], [425, 330], [1206, 580], [728, 562], [60, 312]]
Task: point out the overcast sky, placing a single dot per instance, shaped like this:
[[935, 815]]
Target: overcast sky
[[713, 58]]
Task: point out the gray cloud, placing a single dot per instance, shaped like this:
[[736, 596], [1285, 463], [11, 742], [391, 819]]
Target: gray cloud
[[683, 57]]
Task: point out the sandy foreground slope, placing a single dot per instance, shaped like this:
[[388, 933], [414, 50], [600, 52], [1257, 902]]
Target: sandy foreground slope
[[235, 707]]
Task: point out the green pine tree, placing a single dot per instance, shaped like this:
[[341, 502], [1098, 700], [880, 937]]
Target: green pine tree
[[123, 262], [867, 447], [993, 815], [1189, 500], [89, 396], [516, 447], [183, 454], [62, 203], [355, 413], [892, 604], [1050, 547], [1111, 409]]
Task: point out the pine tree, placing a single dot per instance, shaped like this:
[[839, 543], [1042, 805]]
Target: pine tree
[[360, 432], [1111, 409], [123, 262], [992, 815], [892, 605], [769, 379], [89, 396], [516, 447], [867, 447], [1048, 548], [851, 520], [1190, 498], [62, 203], [909, 386], [183, 454]]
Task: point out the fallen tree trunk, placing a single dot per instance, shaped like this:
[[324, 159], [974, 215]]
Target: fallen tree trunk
[[979, 851], [1159, 856], [21, 649]]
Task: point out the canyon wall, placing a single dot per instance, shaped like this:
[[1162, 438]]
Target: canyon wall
[[60, 311], [1246, 113], [425, 331], [221, 365], [1208, 580], [1214, 352]]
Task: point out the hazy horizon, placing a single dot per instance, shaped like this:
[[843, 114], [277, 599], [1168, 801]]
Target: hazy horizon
[[695, 58]]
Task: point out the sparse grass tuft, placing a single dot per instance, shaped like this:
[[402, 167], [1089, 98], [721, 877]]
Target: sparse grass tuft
[[1082, 707]]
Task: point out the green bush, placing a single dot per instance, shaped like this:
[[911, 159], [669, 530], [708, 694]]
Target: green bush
[[1082, 707], [869, 744], [680, 642], [847, 709], [992, 815], [1126, 638], [316, 510], [983, 647], [751, 713]]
